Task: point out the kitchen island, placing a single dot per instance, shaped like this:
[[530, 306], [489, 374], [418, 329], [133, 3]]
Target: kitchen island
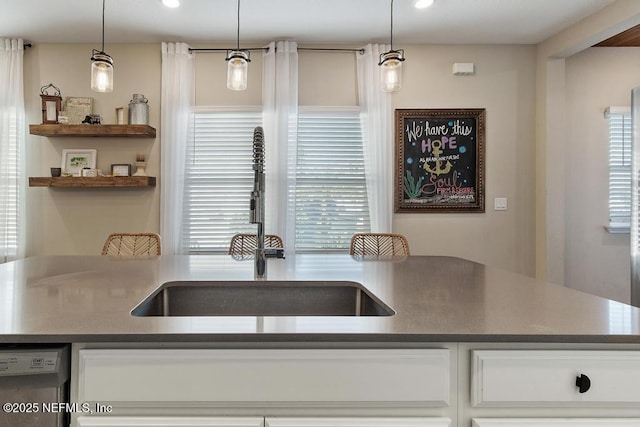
[[448, 356], [89, 299]]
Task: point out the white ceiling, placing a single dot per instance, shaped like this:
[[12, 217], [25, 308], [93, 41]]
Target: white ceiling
[[305, 21]]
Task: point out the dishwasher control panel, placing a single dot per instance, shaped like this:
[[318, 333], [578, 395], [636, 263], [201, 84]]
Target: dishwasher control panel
[[28, 362]]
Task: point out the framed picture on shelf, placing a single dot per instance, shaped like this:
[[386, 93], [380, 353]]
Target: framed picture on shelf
[[76, 109], [76, 159], [121, 169]]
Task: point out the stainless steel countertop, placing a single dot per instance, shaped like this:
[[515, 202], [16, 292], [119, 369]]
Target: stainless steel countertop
[[436, 299]]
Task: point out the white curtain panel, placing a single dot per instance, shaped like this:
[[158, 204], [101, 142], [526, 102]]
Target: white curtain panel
[[12, 143], [178, 95], [280, 122], [377, 134]]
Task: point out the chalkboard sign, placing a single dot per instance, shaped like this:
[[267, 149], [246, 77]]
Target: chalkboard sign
[[440, 160]]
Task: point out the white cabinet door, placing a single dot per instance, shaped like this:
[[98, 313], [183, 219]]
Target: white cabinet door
[[550, 378], [556, 422], [356, 422], [245, 378], [109, 421]]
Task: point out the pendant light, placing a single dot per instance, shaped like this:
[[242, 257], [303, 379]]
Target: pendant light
[[237, 63], [101, 66], [391, 65]]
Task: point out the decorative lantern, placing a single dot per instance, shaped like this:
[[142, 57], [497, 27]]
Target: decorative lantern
[[51, 104]]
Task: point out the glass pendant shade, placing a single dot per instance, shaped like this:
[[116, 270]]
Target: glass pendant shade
[[391, 70], [101, 72], [237, 69]]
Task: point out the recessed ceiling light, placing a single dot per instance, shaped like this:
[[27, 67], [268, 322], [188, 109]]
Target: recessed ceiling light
[[422, 4], [171, 3]]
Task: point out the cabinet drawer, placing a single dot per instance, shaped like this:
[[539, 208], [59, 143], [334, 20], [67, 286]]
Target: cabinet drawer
[[549, 378], [251, 377], [556, 422], [356, 422], [167, 421]]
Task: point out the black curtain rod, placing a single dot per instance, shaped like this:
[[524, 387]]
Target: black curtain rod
[[332, 49], [224, 49], [266, 48]]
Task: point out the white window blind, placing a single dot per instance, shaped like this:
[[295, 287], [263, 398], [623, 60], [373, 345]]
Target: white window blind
[[619, 168], [219, 179], [331, 192], [10, 202], [331, 196]]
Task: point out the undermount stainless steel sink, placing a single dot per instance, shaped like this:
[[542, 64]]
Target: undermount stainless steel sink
[[262, 298]]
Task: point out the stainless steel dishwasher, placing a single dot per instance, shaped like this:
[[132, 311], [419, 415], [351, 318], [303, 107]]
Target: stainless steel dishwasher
[[34, 386]]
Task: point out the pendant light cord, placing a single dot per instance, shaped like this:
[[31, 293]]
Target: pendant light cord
[[391, 24], [238, 28], [103, 1]]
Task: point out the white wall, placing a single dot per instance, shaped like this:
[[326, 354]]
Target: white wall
[[551, 105], [71, 221], [503, 84], [571, 247], [595, 261], [78, 221]]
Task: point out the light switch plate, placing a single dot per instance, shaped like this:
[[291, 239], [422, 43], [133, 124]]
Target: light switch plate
[[500, 204]]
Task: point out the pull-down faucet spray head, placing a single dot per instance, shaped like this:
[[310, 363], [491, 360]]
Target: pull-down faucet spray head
[[256, 213], [258, 148]]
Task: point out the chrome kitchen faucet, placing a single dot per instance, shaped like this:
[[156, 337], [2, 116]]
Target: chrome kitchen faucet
[[256, 212]]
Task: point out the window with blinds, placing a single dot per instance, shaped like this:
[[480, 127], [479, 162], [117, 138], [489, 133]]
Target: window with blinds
[[331, 191], [330, 194], [619, 168], [10, 194], [218, 179]]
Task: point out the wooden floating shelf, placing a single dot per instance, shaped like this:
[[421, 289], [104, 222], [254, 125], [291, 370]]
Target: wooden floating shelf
[[127, 131], [93, 182]]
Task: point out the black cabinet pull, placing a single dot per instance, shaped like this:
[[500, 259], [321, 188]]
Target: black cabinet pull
[[583, 383]]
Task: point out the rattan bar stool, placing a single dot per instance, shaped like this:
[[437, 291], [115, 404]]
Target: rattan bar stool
[[132, 244], [245, 244], [379, 244]]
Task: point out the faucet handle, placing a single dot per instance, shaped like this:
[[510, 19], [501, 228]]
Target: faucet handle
[[274, 253], [255, 210]]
